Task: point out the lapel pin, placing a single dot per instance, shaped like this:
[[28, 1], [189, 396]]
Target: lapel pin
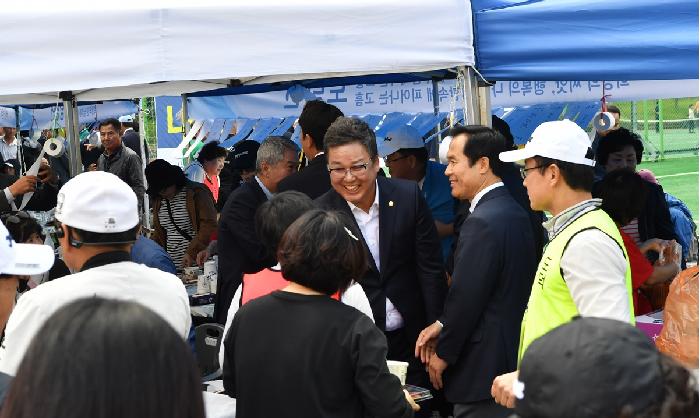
[[391, 203]]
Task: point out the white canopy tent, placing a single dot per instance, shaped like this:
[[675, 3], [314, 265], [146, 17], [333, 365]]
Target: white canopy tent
[[101, 50]]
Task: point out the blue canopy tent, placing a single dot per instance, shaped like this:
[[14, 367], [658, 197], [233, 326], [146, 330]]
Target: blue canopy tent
[[586, 39]]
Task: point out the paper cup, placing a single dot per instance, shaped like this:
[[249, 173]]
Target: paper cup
[[398, 369], [210, 268], [212, 283], [202, 284]]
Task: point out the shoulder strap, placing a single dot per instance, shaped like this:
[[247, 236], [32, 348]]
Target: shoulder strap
[[177, 227]]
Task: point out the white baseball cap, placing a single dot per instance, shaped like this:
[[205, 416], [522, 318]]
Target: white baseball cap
[[405, 136], [561, 140], [97, 201], [444, 149], [126, 118], [23, 259]]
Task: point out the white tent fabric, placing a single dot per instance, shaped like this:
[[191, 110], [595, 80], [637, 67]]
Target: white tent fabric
[[103, 49]]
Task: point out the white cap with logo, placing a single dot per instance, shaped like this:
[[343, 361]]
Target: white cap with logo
[[405, 136], [126, 118], [561, 140], [97, 201], [23, 259]]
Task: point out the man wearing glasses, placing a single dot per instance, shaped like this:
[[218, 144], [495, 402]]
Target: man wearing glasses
[[405, 281], [404, 152], [584, 269]]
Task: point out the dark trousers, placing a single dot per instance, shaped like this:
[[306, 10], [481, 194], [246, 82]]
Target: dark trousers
[[482, 409]]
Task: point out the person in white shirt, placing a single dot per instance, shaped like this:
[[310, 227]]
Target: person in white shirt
[[8, 145], [97, 222]]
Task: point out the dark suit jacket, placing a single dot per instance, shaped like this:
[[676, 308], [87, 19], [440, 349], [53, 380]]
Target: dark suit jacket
[[495, 266], [240, 250], [42, 199], [411, 274], [514, 183], [313, 180], [132, 140]]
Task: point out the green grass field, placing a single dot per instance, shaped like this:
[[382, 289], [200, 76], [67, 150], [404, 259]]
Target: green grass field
[[679, 177]]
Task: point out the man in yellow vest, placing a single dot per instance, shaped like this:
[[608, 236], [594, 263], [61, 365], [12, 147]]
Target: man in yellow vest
[[584, 269]]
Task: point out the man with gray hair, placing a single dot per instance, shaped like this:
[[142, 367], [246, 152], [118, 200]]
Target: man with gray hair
[[238, 246]]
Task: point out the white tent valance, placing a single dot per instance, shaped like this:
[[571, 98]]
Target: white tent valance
[[105, 50]]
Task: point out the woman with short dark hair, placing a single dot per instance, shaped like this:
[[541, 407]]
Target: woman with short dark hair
[[106, 358], [184, 215], [207, 167], [299, 353]]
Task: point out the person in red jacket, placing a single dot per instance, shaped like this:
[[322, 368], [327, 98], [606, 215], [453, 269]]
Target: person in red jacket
[[623, 194]]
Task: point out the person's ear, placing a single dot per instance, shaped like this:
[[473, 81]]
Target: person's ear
[[484, 165], [412, 161], [553, 174]]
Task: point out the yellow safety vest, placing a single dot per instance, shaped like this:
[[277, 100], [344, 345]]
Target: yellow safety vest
[[550, 303]]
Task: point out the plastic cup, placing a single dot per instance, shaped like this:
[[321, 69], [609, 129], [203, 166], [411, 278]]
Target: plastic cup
[[398, 369]]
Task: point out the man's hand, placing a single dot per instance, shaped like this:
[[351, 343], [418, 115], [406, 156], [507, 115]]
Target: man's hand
[[654, 244], [92, 167], [502, 389], [46, 174], [435, 369], [411, 402], [426, 342], [202, 256], [23, 185]]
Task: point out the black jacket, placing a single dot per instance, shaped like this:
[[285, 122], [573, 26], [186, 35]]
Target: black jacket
[[411, 276], [313, 180], [240, 250], [132, 140], [42, 199], [494, 269], [514, 183]]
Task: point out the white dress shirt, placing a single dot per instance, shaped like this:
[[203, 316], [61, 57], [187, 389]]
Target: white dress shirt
[[369, 226], [264, 189], [8, 151], [481, 194]]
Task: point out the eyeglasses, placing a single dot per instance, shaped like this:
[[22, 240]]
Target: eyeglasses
[[387, 160], [356, 170], [523, 170]]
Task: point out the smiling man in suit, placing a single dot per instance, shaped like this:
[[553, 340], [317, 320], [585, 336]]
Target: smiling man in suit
[[405, 281], [477, 335]]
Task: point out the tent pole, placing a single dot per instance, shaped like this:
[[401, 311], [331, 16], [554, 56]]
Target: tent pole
[[485, 104], [470, 96], [142, 143], [70, 112], [18, 136], [435, 146], [185, 116]]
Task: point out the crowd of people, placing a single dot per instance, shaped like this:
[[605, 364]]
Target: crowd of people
[[451, 268]]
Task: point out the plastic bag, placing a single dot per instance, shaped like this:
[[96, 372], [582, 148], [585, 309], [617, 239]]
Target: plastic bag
[[679, 336]]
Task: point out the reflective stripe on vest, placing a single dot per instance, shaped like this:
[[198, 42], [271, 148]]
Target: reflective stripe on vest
[[550, 303], [263, 283]]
